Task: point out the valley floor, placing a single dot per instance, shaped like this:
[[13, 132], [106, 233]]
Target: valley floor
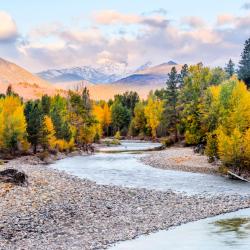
[[59, 211]]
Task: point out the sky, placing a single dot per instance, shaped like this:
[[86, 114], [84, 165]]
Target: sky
[[39, 35]]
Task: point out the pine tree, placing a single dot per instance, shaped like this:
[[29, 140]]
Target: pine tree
[[230, 68], [182, 75], [120, 116], [244, 64], [34, 117], [46, 103], [171, 112]]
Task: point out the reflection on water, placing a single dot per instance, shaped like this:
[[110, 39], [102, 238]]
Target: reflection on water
[[238, 228], [224, 232]]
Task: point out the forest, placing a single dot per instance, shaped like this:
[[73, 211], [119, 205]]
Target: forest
[[204, 106]]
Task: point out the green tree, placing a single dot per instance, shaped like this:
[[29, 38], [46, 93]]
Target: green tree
[[190, 102], [60, 118], [244, 64], [218, 75], [128, 100], [138, 124], [171, 112], [46, 103], [230, 68], [183, 74], [34, 117], [120, 116]]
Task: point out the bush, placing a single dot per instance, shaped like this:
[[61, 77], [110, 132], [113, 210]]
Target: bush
[[117, 136], [167, 141], [43, 155], [211, 149]]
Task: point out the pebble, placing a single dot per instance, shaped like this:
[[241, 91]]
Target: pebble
[[59, 211]]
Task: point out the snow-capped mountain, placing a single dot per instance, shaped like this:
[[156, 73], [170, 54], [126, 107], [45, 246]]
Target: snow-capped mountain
[[75, 74], [144, 66], [107, 73], [111, 68]]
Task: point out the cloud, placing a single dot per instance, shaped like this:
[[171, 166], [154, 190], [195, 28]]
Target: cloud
[[112, 17], [108, 17], [225, 19], [160, 11], [246, 6], [194, 21], [8, 28], [132, 39]]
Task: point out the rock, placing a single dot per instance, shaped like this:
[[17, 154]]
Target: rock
[[13, 176]]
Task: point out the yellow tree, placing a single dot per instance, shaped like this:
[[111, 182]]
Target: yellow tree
[[103, 115], [12, 124], [48, 140], [232, 123], [153, 113]]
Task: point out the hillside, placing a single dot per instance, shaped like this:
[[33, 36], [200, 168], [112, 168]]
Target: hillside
[[26, 84], [11, 73]]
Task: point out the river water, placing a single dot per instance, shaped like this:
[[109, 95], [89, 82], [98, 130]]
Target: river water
[[124, 169]]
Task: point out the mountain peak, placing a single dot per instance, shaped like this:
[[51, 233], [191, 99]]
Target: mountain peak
[[171, 63]]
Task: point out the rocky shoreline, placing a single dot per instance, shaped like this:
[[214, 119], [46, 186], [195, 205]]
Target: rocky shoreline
[[59, 211], [181, 159]]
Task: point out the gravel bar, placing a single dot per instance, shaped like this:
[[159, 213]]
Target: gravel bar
[[58, 211], [181, 159]]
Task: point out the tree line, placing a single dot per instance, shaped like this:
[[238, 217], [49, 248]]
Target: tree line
[[199, 105]]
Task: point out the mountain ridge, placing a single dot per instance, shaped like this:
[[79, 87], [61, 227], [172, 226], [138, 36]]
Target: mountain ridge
[[110, 73]]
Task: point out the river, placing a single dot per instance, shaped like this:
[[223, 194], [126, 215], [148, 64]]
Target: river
[[125, 169]]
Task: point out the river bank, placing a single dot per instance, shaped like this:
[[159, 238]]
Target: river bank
[[57, 209], [181, 159]]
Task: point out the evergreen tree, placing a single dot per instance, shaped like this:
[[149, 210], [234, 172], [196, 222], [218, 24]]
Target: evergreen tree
[[244, 64], [34, 117], [10, 92], [128, 100], [171, 113], [46, 103], [230, 68], [183, 74], [86, 101], [120, 116]]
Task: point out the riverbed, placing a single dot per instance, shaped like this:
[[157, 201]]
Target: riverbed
[[126, 170], [92, 202]]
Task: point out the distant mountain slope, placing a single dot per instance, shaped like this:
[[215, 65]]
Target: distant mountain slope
[[23, 82], [105, 74], [110, 73], [143, 79], [161, 69], [156, 75], [11, 73]]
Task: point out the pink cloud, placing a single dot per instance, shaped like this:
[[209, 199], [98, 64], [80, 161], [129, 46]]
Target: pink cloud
[[194, 21], [8, 28]]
